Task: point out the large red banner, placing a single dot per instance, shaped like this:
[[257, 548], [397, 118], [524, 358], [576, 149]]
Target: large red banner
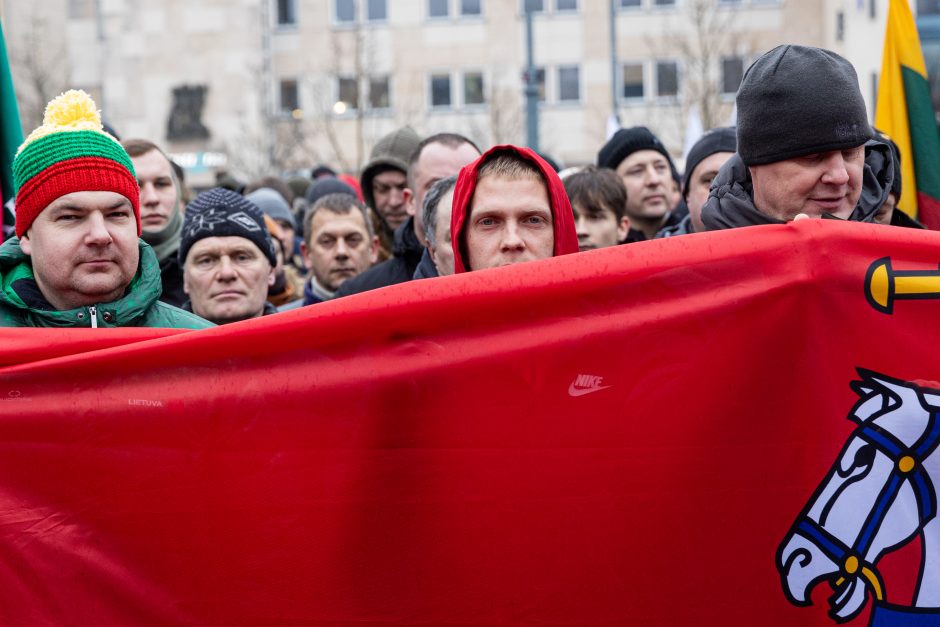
[[665, 433]]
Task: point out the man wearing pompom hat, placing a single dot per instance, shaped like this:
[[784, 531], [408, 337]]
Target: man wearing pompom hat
[[77, 260]]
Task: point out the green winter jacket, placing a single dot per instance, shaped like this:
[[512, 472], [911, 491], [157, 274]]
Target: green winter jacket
[[138, 307]]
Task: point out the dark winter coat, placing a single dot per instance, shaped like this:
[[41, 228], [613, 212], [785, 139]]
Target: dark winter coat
[[684, 227], [171, 277], [426, 268]]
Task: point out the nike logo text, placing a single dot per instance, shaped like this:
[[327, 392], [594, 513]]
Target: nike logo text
[[585, 384]]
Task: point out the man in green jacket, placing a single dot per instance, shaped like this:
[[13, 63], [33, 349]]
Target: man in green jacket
[[77, 260]]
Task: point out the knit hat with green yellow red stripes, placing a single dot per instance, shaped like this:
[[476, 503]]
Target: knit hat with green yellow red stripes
[[70, 152]]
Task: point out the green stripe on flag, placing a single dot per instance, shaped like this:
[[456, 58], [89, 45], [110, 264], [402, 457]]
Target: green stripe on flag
[[11, 132], [925, 139]]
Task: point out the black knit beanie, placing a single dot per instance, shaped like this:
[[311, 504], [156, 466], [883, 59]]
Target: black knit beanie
[[627, 141], [722, 139], [220, 212], [327, 186], [798, 100]]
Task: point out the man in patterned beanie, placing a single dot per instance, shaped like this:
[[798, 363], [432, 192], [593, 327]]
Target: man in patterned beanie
[[77, 260], [228, 257]]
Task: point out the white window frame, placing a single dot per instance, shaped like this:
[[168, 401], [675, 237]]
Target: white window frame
[[350, 108], [360, 12], [391, 102], [460, 15], [438, 18], [671, 98], [463, 89], [430, 86], [633, 100], [277, 16], [727, 95], [558, 84]]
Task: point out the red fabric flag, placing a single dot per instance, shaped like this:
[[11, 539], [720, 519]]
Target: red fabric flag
[[665, 433]]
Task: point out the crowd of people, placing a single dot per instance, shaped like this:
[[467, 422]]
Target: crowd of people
[[107, 234]]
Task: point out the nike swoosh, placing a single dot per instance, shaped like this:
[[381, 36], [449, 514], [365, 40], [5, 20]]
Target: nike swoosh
[[575, 391]]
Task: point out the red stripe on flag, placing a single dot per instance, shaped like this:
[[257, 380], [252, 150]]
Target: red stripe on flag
[[928, 211]]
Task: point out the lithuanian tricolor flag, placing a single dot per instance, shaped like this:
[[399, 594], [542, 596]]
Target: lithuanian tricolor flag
[[904, 111]]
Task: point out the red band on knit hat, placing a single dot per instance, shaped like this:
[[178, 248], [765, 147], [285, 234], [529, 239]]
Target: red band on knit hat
[[85, 174]]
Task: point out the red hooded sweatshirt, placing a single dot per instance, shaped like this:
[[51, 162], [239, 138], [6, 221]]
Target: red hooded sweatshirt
[[566, 237]]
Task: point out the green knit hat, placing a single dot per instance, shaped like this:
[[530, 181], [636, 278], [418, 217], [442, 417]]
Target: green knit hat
[[70, 152]]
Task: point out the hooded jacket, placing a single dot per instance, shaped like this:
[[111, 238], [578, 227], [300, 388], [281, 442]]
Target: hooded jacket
[[730, 203], [391, 152], [566, 237], [22, 305]]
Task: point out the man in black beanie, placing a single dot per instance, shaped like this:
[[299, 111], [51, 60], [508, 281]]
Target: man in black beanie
[[228, 257], [803, 145], [702, 163], [647, 171]]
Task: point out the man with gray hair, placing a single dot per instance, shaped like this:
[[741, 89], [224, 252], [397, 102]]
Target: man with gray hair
[[438, 204], [339, 243], [803, 145]]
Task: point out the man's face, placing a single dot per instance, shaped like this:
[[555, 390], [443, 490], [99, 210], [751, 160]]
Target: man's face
[[650, 186], [826, 182], [83, 248], [700, 184], [227, 278], [388, 190], [598, 227], [510, 222], [339, 247], [442, 252], [435, 162], [158, 194], [287, 238]]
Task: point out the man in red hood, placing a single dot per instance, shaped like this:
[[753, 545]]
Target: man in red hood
[[509, 207]]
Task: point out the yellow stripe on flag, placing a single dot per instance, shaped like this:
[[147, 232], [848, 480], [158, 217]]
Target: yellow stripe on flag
[[902, 47]]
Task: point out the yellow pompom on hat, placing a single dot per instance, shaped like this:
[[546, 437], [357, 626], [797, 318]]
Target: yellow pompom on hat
[[70, 152]]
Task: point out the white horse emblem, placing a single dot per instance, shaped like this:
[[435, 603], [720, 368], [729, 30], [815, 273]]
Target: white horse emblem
[[878, 496]]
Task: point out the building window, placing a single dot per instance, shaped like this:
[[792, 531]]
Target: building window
[[81, 9], [569, 83], [471, 8], [286, 12], [540, 83], [473, 89], [732, 70], [438, 8], [380, 96], [667, 79], [629, 4], [664, 3], [376, 10], [928, 7], [535, 6], [289, 96], [632, 81], [440, 91], [564, 6], [345, 11], [348, 90]]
